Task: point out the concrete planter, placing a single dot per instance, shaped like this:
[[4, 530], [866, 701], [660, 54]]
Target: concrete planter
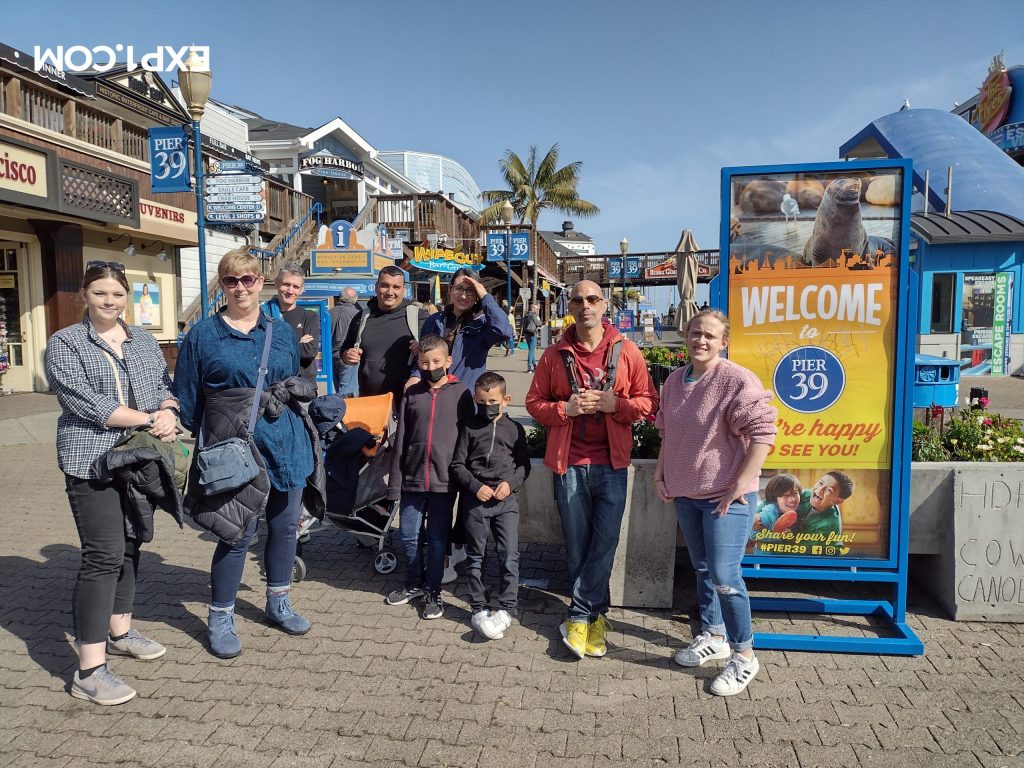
[[642, 576], [967, 528], [966, 537]]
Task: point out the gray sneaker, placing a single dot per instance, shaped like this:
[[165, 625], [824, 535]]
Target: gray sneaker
[[134, 644], [102, 687]]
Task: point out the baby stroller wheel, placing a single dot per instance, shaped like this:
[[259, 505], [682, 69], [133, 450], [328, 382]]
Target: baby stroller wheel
[[298, 569], [385, 562]]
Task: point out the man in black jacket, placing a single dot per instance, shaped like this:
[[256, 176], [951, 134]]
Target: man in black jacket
[[382, 340], [490, 464]]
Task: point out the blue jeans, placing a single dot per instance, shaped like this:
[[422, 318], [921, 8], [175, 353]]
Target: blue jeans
[[591, 500], [531, 351], [346, 379], [716, 546], [283, 508], [436, 509]]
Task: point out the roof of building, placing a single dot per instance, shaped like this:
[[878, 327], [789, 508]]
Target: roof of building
[[984, 177], [261, 129], [555, 238], [966, 227]]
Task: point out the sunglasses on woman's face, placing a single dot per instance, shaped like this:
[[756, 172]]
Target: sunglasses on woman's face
[[232, 281], [115, 265], [592, 300]]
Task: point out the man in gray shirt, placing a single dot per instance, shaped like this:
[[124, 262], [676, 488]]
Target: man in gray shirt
[[346, 377]]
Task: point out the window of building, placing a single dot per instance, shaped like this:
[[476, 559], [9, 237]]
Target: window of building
[[943, 292]]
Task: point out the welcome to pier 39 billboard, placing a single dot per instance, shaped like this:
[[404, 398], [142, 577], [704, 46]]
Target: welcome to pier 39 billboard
[[816, 267]]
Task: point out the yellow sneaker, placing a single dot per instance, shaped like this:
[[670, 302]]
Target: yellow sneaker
[[596, 632], [575, 638]]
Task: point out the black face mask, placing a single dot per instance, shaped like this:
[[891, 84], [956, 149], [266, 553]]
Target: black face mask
[[433, 376], [490, 411]]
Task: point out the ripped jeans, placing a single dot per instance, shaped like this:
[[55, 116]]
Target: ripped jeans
[[716, 546]]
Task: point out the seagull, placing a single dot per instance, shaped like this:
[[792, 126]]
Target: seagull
[[906, 105], [789, 207]]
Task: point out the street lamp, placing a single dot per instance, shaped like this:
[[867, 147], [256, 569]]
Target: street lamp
[[624, 248], [507, 212], [194, 81]]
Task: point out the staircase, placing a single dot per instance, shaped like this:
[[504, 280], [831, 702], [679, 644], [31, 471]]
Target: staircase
[[290, 244]]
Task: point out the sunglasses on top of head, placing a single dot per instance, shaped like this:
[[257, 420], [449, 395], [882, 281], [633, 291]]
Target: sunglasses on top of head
[[232, 281], [592, 300], [115, 265]]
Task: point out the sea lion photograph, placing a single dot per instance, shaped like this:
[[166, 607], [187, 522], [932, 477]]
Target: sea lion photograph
[[839, 226], [762, 196]]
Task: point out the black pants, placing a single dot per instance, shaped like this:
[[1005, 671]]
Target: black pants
[[501, 518], [110, 560]]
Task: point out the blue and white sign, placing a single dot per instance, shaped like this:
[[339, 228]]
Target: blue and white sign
[[519, 246], [168, 160], [495, 246], [809, 379], [341, 234], [317, 287], [632, 268]]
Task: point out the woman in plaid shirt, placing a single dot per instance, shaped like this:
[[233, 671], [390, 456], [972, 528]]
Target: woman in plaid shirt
[[108, 378]]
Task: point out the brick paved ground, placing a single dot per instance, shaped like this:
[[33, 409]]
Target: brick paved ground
[[374, 685]]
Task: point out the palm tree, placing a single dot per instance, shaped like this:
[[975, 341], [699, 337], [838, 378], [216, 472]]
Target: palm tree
[[535, 186]]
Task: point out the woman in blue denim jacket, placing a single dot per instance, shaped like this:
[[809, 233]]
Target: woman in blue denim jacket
[[220, 353]]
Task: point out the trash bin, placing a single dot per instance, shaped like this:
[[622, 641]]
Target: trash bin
[[936, 381]]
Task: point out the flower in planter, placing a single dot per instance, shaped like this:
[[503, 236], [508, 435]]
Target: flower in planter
[[983, 402], [936, 411]]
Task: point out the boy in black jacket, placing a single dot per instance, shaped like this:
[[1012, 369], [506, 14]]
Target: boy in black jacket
[[490, 464], [431, 415]]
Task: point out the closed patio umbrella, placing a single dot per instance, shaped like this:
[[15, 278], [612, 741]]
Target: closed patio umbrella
[[686, 279]]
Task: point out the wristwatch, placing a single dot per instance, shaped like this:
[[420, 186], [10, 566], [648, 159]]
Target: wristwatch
[[149, 421], [172, 409]]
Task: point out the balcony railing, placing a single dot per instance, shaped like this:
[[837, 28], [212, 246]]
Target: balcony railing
[[423, 215]]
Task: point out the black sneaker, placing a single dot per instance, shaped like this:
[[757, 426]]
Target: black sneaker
[[404, 595], [433, 607]]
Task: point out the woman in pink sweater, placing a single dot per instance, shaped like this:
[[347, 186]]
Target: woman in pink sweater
[[716, 427]]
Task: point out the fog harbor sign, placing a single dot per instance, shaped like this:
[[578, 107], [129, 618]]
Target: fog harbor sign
[[323, 164]]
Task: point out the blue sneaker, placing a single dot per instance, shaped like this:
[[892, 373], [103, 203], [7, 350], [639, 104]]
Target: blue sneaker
[[223, 638], [279, 613]]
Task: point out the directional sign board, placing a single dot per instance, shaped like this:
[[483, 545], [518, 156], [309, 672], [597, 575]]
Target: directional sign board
[[232, 178], [256, 207], [233, 197], [234, 216]]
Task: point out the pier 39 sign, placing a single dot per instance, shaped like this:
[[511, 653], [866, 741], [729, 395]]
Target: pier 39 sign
[[813, 283]]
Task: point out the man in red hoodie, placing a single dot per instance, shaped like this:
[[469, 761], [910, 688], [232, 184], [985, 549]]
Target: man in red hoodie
[[588, 390]]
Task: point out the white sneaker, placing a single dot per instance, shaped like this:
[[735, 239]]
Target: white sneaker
[[449, 575], [493, 627], [479, 618], [736, 676], [702, 648]]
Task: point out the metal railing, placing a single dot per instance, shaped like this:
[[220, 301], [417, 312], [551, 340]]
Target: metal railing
[[598, 267]]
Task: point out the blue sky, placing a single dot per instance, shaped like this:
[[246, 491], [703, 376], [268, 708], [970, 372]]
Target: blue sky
[[653, 97]]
